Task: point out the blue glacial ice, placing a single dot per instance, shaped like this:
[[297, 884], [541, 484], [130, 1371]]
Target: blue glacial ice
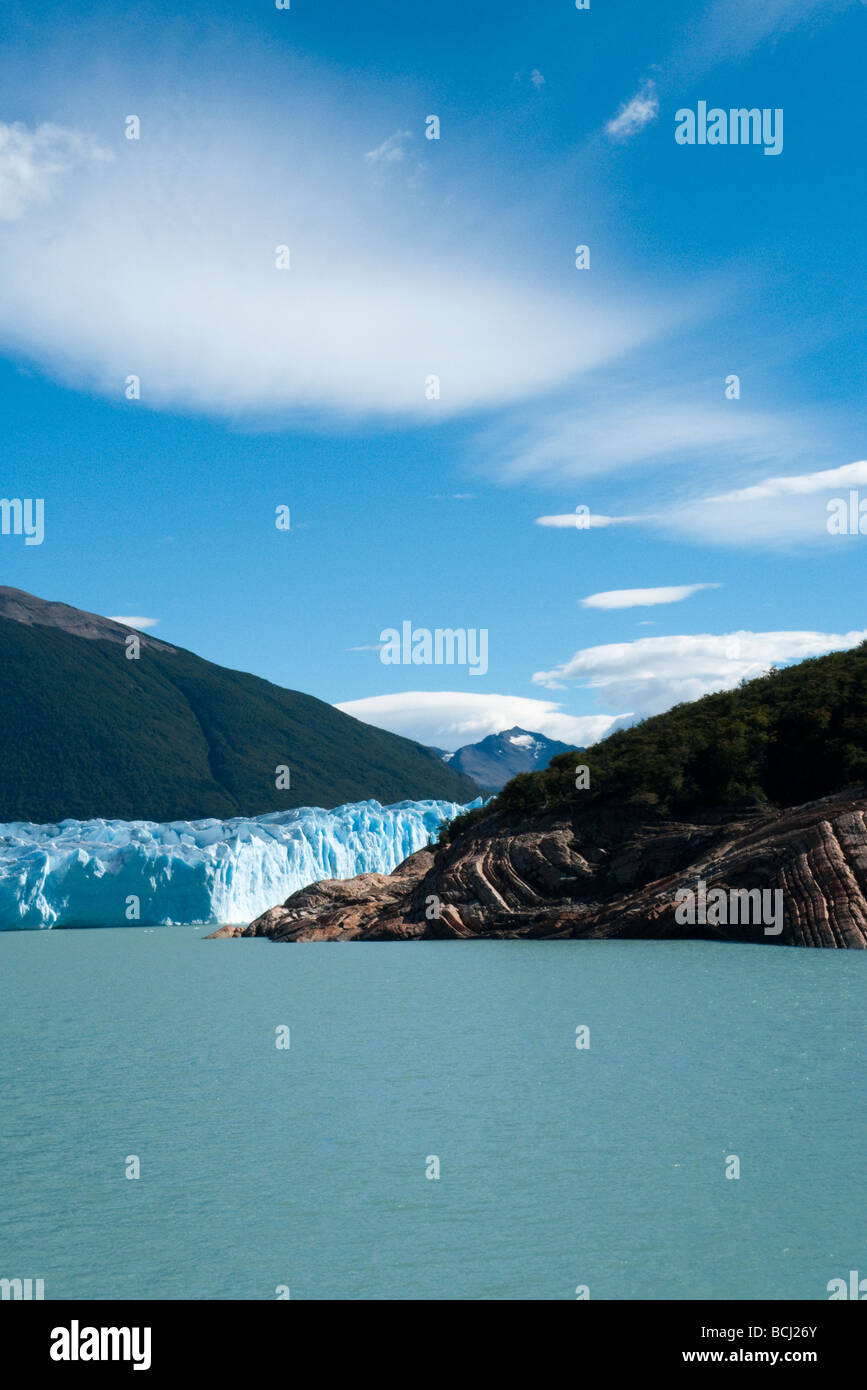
[[88, 873]]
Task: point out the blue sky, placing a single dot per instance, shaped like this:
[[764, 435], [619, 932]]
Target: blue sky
[[559, 387]]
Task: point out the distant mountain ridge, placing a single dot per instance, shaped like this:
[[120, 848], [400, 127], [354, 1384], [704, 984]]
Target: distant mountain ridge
[[86, 732], [27, 608], [495, 760]]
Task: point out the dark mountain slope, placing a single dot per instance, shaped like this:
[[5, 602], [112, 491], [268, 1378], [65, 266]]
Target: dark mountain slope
[[85, 731]]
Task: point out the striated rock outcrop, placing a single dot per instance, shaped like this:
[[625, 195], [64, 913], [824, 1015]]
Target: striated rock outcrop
[[607, 872], [368, 907]]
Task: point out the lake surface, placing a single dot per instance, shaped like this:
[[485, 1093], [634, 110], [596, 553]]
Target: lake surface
[[306, 1167]]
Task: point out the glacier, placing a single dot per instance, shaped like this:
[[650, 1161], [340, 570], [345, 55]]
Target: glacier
[[98, 873]]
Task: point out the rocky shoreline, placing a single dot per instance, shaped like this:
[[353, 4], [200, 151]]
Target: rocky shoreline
[[604, 873]]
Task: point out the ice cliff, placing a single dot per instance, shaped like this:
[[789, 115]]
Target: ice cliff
[[99, 873]]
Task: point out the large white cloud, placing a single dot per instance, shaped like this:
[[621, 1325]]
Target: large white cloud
[[160, 263], [654, 673], [448, 719]]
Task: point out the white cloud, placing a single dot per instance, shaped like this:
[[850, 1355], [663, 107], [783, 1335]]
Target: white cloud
[[643, 598], [141, 623], [799, 484], [777, 510], [536, 78], [654, 673], [572, 521], [32, 162], [635, 114], [392, 150], [395, 159], [448, 719], [161, 263]]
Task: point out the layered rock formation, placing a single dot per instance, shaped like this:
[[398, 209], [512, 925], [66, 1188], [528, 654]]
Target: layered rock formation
[[605, 872]]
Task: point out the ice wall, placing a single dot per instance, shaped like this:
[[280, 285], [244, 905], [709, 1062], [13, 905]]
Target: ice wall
[[87, 873]]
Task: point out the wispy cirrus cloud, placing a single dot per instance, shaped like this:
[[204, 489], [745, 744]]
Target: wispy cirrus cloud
[[731, 29], [33, 163], [776, 511], [397, 159], [723, 31], [620, 427], [773, 511], [392, 150], [636, 113]]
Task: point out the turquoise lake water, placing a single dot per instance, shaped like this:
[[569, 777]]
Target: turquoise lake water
[[306, 1167]]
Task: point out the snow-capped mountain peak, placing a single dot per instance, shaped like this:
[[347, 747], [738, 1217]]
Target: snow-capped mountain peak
[[496, 759]]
